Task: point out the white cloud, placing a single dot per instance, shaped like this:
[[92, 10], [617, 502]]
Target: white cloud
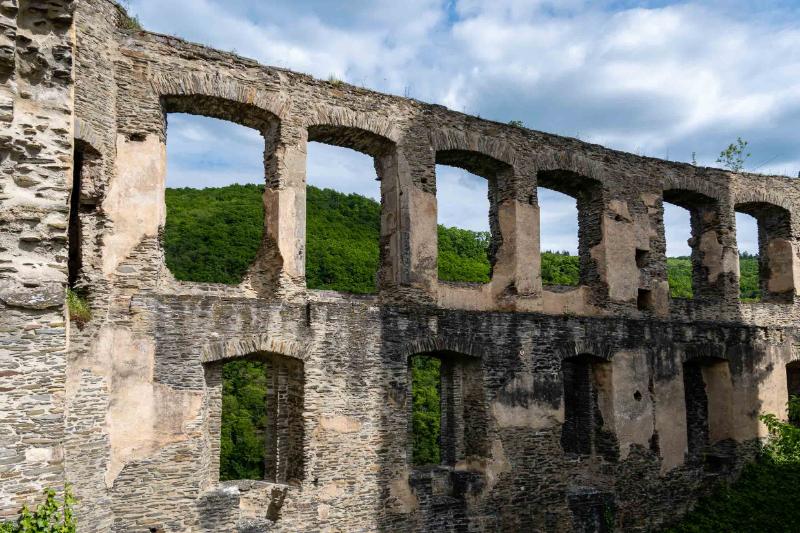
[[653, 77]]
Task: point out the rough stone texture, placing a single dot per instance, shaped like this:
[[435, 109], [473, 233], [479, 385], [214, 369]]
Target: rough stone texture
[[36, 139], [608, 405]]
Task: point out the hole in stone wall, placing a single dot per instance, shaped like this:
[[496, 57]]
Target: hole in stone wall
[[559, 190], [678, 232], [448, 417], [587, 402], [261, 424], [793, 388], [464, 234], [642, 258], [214, 198], [707, 394], [644, 300], [426, 410], [637, 396], [343, 219], [749, 264], [74, 260], [558, 237]]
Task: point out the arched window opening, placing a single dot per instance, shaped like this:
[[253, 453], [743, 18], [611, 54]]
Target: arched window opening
[[448, 416], [588, 407], [678, 234], [703, 221], [707, 389], [214, 196], [467, 200], [258, 408], [793, 388], [558, 238], [749, 264], [766, 256], [586, 194], [345, 167]]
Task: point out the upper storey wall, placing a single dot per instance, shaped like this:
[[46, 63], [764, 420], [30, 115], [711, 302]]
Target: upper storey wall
[[620, 196]]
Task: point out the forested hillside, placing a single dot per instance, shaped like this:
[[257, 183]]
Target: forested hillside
[[213, 234]]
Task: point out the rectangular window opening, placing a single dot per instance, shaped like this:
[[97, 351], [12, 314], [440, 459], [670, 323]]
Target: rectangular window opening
[[793, 389], [426, 410], [678, 234], [343, 220], [214, 198], [750, 274], [464, 232], [558, 238], [261, 424], [707, 393], [588, 401], [448, 416]]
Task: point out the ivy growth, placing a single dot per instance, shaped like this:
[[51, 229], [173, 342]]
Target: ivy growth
[[50, 516]]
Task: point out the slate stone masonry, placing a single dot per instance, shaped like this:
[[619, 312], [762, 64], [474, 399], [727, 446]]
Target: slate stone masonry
[[127, 408]]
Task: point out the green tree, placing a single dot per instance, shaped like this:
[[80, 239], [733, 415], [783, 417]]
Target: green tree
[[734, 156]]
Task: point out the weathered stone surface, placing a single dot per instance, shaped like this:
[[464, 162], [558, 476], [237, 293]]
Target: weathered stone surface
[[564, 406]]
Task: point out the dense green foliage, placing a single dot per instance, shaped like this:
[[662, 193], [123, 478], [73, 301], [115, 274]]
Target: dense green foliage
[[343, 232], [679, 275], [50, 516], [462, 255], [748, 278], [560, 268], [762, 499], [243, 420], [213, 235], [425, 391]]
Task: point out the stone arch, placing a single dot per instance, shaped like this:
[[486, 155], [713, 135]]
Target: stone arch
[[330, 119], [591, 347], [236, 347], [465, 346], [753, 196], [450, 140], [550, 160], [84, 132], [693, 184], [195, 84]]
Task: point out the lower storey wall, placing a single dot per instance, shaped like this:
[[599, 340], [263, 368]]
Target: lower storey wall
[[153, 465]]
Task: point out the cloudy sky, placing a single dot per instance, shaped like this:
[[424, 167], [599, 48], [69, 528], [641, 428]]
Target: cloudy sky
[[656, 77]]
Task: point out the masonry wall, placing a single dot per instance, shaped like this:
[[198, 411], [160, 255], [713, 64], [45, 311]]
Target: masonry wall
[[36, 124], [127, 407]]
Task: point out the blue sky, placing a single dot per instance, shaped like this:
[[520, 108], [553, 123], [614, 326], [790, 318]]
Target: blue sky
[[658, 78]]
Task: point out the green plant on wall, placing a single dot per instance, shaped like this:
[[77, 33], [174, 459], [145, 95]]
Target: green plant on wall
[[734, 156], [50, 516], [762, 499]]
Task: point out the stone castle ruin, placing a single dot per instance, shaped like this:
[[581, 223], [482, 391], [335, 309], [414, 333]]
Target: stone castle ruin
[[604, 406]]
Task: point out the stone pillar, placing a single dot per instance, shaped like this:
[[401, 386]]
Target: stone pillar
[[279, 269], [452, 412], [416, 265], [283, 458], [517, 261]]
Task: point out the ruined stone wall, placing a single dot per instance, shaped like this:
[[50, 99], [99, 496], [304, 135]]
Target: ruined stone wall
[[36, 139], [127, 407]]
